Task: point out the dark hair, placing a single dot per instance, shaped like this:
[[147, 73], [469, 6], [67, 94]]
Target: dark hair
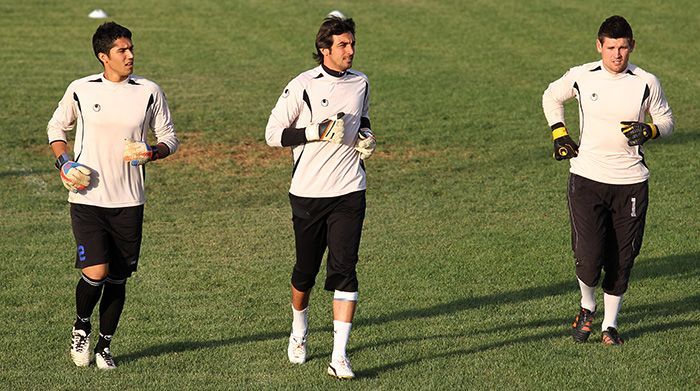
[[615, 27], [105, 35], [331, 26]]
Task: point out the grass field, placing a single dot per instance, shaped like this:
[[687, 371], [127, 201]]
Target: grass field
[[466, 273]]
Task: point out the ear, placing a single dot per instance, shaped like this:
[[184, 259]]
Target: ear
[[632, 43], [325, 51], [599, 46], [103, 57]]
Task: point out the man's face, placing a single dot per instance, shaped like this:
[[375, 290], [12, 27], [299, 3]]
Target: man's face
[[339, 56], [119, 63], [615, 53]]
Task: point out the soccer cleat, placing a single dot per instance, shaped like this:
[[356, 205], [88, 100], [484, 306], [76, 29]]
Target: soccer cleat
[[80, 348], [341, 369], [296, 351], [582, 325], [612, 337], [104, 359]]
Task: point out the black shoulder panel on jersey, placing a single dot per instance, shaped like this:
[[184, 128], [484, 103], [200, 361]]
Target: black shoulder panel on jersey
[[629, 72], [598, 68], [98, 80], [647, 92], [151, 99], [75, 98], [306, 99], [133, 82], [80, 110], [576, 88], [320, 75]]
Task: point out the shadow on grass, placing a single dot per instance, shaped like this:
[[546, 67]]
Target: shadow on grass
[[187, 346], [678, 267], [547, 335]]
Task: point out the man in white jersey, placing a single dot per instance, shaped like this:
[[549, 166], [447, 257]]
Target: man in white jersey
[[112, 112], [608, 187], [323, 115]]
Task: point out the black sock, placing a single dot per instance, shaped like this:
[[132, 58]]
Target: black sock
[[87, 294], [111, 308]]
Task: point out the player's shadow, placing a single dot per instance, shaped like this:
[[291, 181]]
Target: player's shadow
[[683, 267], [187, 346], [650, 317]]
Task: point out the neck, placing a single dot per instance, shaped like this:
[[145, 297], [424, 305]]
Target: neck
[[113, 77], [332, 72]]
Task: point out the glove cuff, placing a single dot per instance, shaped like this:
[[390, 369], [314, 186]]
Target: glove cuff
[[654, 130], [311, 133], [559, 132], [61, 160]]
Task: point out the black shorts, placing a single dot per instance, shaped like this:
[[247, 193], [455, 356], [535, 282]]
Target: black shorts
[[334, 223], [107, 235], [607, 228]]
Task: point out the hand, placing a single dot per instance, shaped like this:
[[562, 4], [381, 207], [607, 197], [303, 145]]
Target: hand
[[564, 146], [75, 176], [330, 129], [366, 143], [137, 152], [638, 132]]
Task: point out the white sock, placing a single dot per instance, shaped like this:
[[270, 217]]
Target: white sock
[[587, 296], [341, 334], [300, 323], [612, 308]]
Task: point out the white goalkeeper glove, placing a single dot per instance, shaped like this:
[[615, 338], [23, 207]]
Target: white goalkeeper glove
[[366, 143], [138, 153], [75, 176], [330, 129]]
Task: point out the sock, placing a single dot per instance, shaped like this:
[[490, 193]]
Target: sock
[[111, 308], [300, 323], [103, 342], [587, 296], [87, 294], [341, 334], [612, 308]]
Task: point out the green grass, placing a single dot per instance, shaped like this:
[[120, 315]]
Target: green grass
[[466, 274]]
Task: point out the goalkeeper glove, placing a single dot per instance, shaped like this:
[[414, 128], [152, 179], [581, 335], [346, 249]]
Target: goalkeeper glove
[[564, 146], [138, 152], [638, 132], [366, 143], [330, 129], [75, 176]]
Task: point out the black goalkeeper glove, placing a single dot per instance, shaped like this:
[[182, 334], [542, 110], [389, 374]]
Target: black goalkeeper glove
[[638, 132], [564, 146]]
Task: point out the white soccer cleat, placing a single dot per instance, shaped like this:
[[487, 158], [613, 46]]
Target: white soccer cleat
[[296, 351], [104, 359], [341, 369], [80, 348]]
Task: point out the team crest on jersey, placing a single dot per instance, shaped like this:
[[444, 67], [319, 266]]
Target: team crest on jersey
[[285, 93], [324, 102], [594, 96], [96, 107]]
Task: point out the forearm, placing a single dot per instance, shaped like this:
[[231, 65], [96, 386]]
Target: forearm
[[59, 147], [161, 151], [293, 136]]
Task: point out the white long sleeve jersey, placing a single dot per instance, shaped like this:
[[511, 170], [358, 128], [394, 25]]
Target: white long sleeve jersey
[[322, 169], [606, 99], [104, 114]]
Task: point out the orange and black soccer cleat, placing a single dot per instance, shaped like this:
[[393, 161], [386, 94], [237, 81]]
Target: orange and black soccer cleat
[[582, 325], [612, 337]]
